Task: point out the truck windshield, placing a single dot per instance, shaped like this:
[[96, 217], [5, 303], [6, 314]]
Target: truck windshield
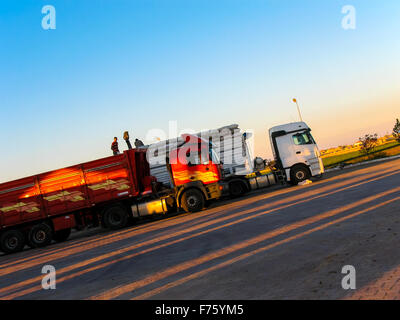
[[214, 157], [303, 138], [211, 156]]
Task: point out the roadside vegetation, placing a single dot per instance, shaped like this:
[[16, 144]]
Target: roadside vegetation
[[368, 150]]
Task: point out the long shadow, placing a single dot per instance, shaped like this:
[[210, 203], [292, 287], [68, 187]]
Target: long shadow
[[115, 253], [272, 234], [182, 224], [148, 289]]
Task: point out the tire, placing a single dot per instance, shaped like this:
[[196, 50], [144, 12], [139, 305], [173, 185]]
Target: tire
[[237, 189], [12, 241], [192, 200], [40, 235], [299, 174], [115, 217], [61, 235]]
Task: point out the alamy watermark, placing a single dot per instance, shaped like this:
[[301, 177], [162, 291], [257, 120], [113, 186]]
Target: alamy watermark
[[49, 20], [49, 280], [227, 145], [349, 280], [349, 20]]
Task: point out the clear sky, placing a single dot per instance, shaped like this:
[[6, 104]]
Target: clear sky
[[115, 65]]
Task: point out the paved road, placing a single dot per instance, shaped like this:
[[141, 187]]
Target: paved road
[[288, 243]]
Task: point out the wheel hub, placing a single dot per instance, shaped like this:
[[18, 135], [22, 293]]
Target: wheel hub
[[115, 218], [300, 175], [40, 235], [192, 201], [12, 242]]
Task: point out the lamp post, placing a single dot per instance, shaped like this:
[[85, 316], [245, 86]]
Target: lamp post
[[298, 109]]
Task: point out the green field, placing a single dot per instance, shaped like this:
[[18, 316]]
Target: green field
[[389, 149]]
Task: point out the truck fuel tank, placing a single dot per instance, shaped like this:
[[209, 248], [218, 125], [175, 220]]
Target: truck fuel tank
[[263, 181], [150, 207]]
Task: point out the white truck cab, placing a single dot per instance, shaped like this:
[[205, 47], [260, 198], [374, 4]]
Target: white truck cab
[[295, 151]]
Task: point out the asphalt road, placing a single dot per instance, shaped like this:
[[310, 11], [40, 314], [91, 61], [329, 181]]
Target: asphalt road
[[288, 243]]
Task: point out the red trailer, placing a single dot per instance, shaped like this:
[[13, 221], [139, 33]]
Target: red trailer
[[110, 191]]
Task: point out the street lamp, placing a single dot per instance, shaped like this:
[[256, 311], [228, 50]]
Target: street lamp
[[298, 109]]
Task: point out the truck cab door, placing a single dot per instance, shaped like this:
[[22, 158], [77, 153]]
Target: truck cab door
[[306, 151], [195, 168]]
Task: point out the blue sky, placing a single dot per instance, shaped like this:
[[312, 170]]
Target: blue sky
[[112, 66]]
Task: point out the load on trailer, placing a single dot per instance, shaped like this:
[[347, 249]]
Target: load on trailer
[[110, 191], [236, 157]]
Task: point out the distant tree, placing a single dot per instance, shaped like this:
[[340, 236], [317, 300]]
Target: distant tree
[[396, 130], [368, 143]]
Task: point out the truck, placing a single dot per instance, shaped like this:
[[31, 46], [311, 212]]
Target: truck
[[114, 191], [111, 192], [296, 157]]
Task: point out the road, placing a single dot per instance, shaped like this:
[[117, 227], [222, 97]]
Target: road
[[285, 243]]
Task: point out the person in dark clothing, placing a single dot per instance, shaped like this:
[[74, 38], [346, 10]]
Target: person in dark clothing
[[114, 146], [138, 143]]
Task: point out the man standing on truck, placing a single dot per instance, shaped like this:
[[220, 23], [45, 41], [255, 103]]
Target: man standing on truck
[[139, 143], [114, 146]]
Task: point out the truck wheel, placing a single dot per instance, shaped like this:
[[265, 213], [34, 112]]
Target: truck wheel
[[237, 189], [61, 235], [299, 174], [40, 235], [12, 241], [192, 200], [115, 217]]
